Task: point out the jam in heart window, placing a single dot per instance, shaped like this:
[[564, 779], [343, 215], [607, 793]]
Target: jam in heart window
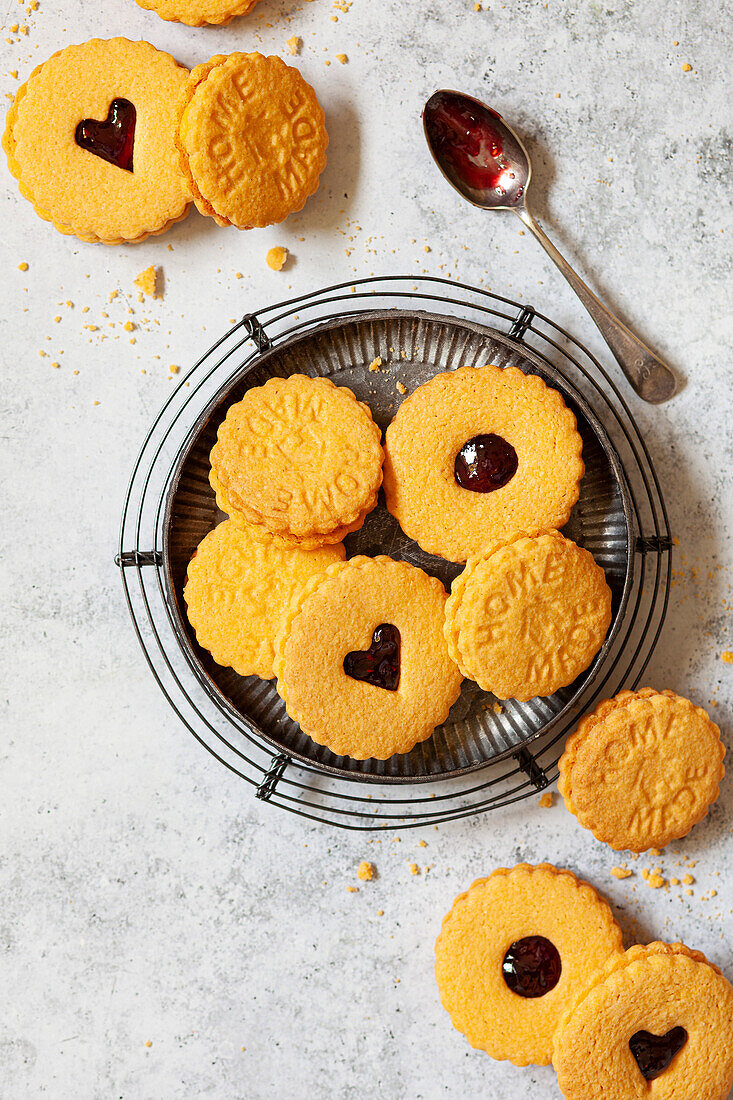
[[654, 1053], [380, 664], [113, 138]]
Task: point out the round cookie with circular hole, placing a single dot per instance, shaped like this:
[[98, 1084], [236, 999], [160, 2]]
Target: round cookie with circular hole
[[362, 664], [238, 589], [657, 1022], [252, 139], [529, 616], [642, 769], [90, 138], [512, 954], [300, 456], [198, 13], [477, 454]]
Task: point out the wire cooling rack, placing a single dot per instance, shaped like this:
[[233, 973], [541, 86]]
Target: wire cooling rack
[[309, 790]]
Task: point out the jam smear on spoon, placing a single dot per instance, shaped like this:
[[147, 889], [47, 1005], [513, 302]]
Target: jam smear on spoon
[[380, 664], [113, 138], [462, 135], [532, 966], [653, 1053], [485, 463]]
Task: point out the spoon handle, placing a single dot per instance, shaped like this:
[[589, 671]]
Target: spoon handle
[[651, 378]]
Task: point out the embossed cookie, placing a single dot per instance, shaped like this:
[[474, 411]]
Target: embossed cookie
[[90, 139], [238, 591], [513, 952], [300, 456], [528, 617], [642, 769], [476, 455], [657, 1023], [362, 664], [252, 139], [196, 13]]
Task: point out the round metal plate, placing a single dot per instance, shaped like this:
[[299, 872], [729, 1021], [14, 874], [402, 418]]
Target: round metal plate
[[413, 348]]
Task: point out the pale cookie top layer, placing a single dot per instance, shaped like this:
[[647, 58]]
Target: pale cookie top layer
[[238, 591], [653, 989], [252, 139], [431, 428], [642, 769], [529, 617], [337, 616], [78, 191], [196, 13], [299, 455], [501, 911]]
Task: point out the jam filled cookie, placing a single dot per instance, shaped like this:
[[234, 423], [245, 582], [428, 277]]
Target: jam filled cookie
[[91, 140], [642, 769], [299, 456], [660, 1014], [528, 617], [238, 591], [252, 139], [362, 664], [512, 953], [476, 455], [196, 13]]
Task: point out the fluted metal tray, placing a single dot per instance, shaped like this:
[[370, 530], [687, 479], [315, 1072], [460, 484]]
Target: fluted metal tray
[[413, 347]]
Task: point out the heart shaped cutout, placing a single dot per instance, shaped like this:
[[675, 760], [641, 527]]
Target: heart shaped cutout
[[114, 138], [380, 664], [653, 1053]]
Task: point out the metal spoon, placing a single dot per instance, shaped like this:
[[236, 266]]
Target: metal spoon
[[487, 164]]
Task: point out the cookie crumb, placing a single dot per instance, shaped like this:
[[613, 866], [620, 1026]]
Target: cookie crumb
[[366, 871], [547, 800], [342, 58], [423, 843], [23, 266], [727, 656], [401, 387], [376, 363], [149, 1043], [380, 912], [674, 881], [276, 258], [128, 326], [621, 872], [147, 282], [414, 869], [686, 68], [353, 889], [655, 881], [174, 368], [294, 45], [688, 879], [497, 708]]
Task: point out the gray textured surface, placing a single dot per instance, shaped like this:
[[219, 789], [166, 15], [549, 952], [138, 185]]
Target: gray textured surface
[[146, 895]]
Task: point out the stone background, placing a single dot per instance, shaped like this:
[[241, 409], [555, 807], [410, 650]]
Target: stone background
[[147, 898]]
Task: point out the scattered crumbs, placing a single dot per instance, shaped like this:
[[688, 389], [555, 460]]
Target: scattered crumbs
[[56, 366], [69, 304], [688, 879], [128, 326], [238, 275], [147, 282], [376, 363], [396, 839], [655, 881], [401, 387], [497, 708], [174, 368], [342, 58], [686, 68], [477, 6], [294, 45], [689, 893], [547, 800], [353, 889], [427, 248], [57, 320], [241, 1048], [276, 257], [675, 43], [423, 843], [621, 872], [674, 881], [92, 328], [149, 1043], [414, 869], [23, 266], [380, 912], [654, 852], [727, 656], [366, 871], [713, 893], [112, 295]]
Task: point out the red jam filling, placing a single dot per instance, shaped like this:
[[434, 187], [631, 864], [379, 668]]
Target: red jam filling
[[532, 966], [114, 138], [653, 1053], [380, 664], [485, 463]]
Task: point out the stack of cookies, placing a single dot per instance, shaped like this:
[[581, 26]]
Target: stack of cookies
[[481, 466], [112, 140], [531, 968]]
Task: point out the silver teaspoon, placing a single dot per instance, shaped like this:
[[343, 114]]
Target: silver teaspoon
[[487, 164]]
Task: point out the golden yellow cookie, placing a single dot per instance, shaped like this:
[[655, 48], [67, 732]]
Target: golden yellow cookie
[[656, 1025], [310, 542], [196, 13], [361, 662], [642, 769], [300, 456], [90, 139], [238, 591], [512, 954], [252, 139], [528, 617], [476, 455]]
